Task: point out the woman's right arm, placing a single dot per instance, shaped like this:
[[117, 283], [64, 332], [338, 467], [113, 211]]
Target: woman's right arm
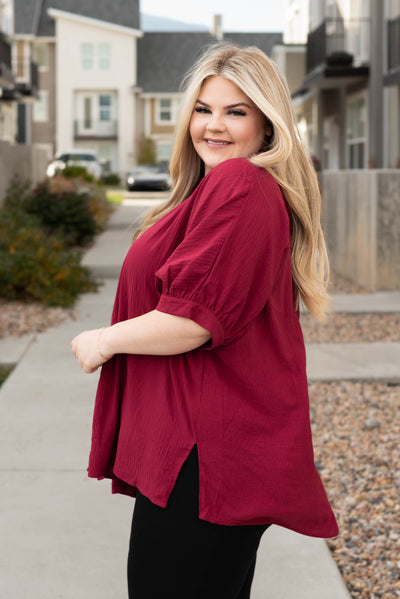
[[154, 333]]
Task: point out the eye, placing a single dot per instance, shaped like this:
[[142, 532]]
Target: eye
[[202, 110], [237, 112]]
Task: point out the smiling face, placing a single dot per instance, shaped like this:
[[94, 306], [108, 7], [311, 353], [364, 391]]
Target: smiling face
[[225, 123]]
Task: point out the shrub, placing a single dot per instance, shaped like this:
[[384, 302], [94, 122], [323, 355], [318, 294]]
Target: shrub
[[65, 212], [17, 194], [111, 179], [99, 206], [74, 171], [37, 266], [147, 151], [97, 201]]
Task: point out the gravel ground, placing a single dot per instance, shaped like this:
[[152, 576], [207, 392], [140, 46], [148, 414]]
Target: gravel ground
[[351, 328], [25, 318], [356, 438], [339, 284]]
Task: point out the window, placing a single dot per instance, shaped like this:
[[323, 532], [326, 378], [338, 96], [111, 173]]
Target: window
[[104, 57], [105, 107], [356, 132], [87, 112], [41, 55], [165, 114], [164, 151], [87, 56], [41, 108]]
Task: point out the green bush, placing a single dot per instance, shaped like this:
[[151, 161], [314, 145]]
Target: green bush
[[63, 204], [111, 179], [73, 171], [65, 212], [147, 151], [37, 266]]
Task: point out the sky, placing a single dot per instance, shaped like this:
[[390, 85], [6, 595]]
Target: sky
[[237, 15]]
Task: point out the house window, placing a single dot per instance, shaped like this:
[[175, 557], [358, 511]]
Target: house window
[[41, 55], [87, 112], [41, 108], [104, 57], [87, 57], [165, 114], [356, 133], [105, 107], [164, 151]]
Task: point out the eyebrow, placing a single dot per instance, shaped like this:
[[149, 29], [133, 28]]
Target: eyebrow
[[230, 106]]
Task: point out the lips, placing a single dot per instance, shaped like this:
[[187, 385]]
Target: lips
[[217, 142]]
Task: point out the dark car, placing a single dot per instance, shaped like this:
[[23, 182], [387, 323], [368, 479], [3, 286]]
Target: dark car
[[148, 177]]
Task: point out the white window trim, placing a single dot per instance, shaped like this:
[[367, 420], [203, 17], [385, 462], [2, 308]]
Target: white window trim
[[43, 67], [163, 122], [104, 56], [88, 57], [43, 97], [357, 140]]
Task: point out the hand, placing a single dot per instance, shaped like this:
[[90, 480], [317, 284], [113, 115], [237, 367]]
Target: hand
[[86, 349]]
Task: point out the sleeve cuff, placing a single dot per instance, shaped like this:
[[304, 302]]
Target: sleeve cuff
[[196, 312]]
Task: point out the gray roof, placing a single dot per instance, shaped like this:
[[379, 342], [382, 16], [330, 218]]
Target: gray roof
[[30, 16], [165, 57]]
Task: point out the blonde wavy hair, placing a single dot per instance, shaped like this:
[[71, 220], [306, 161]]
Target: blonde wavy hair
[[285, 158]]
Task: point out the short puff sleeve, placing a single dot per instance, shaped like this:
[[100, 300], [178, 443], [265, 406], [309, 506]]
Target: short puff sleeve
[[223, 271]]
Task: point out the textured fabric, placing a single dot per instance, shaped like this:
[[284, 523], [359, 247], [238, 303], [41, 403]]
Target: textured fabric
[[221, 258], [175, 555]]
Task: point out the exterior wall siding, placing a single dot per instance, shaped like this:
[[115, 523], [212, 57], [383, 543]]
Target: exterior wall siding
[[45, 133], [361, 221], [22, 160]]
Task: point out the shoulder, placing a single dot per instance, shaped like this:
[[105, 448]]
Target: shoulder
[[237, 176], [239, 188]]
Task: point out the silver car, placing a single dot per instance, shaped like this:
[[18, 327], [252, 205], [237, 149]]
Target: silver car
[[85, 158]]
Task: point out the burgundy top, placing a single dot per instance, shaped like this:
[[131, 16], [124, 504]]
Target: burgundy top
[[222, 259]]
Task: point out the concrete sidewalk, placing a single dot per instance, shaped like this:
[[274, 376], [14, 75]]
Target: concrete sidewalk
[[64, 535]]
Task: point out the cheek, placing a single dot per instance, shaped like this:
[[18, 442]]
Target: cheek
[[194, 128], [253, 136]]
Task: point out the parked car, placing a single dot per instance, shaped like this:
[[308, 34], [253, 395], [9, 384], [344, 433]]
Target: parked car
[[148, 177], [79, 157]]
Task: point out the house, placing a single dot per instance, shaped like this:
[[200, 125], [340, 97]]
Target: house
[[87, 57], [7, 82], [105, 84], [347, 105], [13, 92]]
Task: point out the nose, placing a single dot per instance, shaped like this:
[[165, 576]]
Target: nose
[[216, 122]]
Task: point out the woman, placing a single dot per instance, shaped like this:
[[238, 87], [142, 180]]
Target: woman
[[202, 407]]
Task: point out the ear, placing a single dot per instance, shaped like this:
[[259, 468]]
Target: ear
[[268, 131]]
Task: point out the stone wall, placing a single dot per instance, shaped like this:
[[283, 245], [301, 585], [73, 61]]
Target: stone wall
[[361, 220], [22, 160]]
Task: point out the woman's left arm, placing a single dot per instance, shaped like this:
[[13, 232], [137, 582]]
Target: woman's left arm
[[155, 333]]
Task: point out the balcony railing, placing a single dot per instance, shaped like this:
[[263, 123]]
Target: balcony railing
[[5, 60], [336, 35], [26, 73], [394, 43], [93, 128]]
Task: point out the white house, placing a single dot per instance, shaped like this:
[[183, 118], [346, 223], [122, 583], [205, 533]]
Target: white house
[[95, 87]]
